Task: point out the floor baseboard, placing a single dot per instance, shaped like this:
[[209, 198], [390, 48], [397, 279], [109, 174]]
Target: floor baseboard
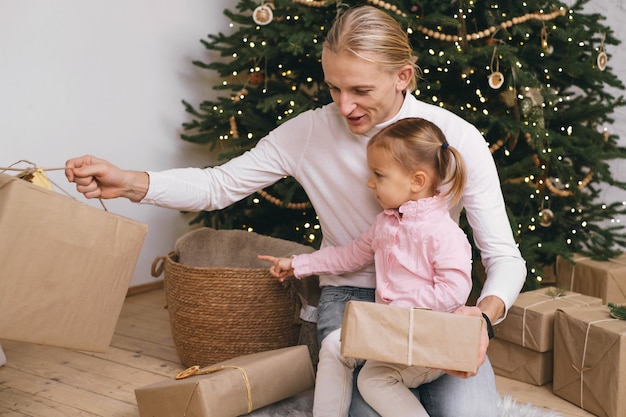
[[140, 289]]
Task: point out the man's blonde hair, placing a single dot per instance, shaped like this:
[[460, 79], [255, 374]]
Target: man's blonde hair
[[374, 36]]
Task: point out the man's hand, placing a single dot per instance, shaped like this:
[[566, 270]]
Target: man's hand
[[97, 178], [484, 341], [494, 308]]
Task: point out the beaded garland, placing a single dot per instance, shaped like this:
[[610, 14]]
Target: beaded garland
[[446, 37], [280, 203], [311, 3], [492, 29], [378, 3], [384, 5]]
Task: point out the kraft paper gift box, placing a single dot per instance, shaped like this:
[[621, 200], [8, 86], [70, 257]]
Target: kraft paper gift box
[[519, 363], [65, 267], [590, 360], [602, 279], [410, 336], [530, 320], [231, 388]]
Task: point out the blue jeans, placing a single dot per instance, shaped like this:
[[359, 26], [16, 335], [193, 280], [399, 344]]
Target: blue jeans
[[447, 396]]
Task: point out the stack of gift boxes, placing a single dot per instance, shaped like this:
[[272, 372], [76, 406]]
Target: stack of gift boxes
[[568, 337]]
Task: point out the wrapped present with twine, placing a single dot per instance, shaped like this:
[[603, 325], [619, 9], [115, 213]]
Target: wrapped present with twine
[[519, 363], [602, 279], [530, 320], [590, 359], [230, 388], [410, 336]]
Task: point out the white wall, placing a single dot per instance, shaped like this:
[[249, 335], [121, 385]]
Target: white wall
[[107, 78], [615, 12]]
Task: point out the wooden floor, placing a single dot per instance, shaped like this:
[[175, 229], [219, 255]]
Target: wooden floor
[[43, 381]]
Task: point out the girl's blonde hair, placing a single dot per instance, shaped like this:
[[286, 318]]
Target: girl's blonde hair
[[415, 143], [374, 36]]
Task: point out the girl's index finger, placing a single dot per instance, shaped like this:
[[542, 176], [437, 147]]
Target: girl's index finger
[[267, 258]]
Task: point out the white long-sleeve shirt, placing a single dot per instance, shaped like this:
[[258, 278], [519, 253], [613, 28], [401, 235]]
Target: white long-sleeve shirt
[[329, 161]]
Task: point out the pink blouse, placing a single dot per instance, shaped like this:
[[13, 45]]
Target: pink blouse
[[422, 257]]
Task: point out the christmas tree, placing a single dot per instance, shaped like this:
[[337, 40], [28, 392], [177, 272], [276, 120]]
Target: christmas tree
[[531, 76]]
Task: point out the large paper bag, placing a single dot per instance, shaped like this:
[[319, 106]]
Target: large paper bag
[[410, 336], [65, 267], [231, 388], [590, 360]]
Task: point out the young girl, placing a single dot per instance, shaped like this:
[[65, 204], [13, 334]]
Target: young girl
[[421, 256]]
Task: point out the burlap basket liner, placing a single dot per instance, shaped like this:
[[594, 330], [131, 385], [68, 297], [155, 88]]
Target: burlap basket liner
[[220, 313]]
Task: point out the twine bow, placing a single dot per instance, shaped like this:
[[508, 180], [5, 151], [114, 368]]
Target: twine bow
[[548, 297], [196, 370]]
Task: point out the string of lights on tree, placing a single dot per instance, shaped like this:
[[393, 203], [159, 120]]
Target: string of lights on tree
[[508, 75]]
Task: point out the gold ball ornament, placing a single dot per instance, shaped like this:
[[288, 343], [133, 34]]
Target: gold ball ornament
[[496, 79], [262, 15], [546, 217]]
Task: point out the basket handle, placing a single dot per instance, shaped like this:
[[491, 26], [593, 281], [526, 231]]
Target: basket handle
[[157, 266]]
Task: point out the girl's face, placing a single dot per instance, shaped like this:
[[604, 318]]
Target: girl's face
[[364, 92], [392, 185]]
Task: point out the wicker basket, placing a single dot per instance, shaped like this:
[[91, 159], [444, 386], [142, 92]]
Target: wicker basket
[[220, 313]]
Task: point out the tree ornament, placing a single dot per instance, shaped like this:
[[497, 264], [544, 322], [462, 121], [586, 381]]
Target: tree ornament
[[233, 127], [496, 78], [546, 217], [534, 94], [263, 14], [256, 78], [544, 40], [602, 57]]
